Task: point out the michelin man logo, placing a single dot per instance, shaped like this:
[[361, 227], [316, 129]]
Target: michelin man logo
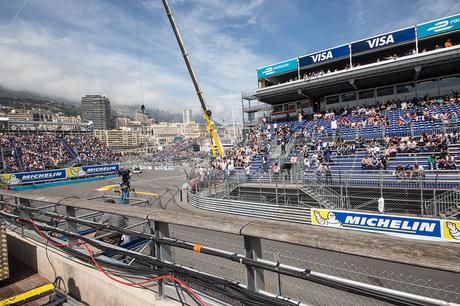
[[329, 221], [76, 171], [9, 179], [453, 230]]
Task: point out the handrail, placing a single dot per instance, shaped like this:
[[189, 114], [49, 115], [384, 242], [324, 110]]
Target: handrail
[[406, 251]]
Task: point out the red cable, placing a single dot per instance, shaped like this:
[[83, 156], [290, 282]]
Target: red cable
[[101, 269]]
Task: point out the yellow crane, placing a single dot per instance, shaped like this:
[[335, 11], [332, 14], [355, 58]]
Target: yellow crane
[[215, 141]]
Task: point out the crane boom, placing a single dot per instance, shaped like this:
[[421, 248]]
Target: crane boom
[[215, 142]]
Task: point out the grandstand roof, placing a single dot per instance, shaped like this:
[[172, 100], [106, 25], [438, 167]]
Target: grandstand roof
[[431, 64]]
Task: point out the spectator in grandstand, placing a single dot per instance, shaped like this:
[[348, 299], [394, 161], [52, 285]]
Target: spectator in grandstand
[[450, 162], [383, 165], [408, 170], [432, 165], [283, 146], [399, 171], [366, 163], [448, 43], [276, 169], [417, 171]]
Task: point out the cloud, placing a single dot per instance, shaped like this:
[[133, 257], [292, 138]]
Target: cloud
[[101, 48]]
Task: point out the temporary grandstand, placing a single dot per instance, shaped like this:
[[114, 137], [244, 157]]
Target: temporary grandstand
[[372, 121], [38, 150]]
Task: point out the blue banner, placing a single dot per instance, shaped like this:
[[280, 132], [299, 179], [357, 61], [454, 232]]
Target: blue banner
[[438, 26], [400, 225], [383, 40], [274, 69], [323, 56], [32, 177], [102, 169]]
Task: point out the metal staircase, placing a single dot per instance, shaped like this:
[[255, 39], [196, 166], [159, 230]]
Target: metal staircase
[[446, 205], [324, 195]]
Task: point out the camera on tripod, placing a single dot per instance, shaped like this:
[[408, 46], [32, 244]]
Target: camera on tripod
[[125, 176]]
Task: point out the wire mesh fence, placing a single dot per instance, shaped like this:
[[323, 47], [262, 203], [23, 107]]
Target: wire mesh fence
[[432, 196]]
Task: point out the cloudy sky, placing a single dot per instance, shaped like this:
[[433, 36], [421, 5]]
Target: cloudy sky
[[127, 50]]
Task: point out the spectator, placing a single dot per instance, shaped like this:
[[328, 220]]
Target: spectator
[[450, 162], [399, 171], [432, 162], [366, 163], [417, 171], [448, 43]]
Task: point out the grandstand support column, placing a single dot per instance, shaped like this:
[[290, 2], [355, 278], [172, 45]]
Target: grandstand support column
[[71, 225], [160, 251], [23, 203], [421, 195], [276, 191], [255, 276]]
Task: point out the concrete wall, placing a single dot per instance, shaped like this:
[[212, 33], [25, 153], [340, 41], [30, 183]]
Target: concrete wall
[[82, 282]]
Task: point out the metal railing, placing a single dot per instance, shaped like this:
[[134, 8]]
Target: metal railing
[[445, 205], [253, 257]]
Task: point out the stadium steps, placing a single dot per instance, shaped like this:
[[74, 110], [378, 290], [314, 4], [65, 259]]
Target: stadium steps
[[326, 197], [71, 150], [446, 205], [276, 153], [18, 155]]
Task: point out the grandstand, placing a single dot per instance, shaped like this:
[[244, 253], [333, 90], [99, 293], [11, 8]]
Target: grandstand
[[38, 151], [344, 127]]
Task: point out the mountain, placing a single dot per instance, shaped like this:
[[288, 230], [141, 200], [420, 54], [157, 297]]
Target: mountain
[[27, 101]]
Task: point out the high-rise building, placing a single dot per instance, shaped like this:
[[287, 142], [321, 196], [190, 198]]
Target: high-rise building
[[187, 116], [96, 108]]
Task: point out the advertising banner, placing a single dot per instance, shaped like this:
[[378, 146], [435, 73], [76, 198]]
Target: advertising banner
[[100, 169], [32, 177], [59, 174], [429, 229], [383, 40], [274, 69], [438, 26], [324, 56]]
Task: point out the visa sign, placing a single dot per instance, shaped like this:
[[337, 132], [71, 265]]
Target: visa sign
[[275, 69], [383, 40], [323, 56], [438, 26], [380, 41]]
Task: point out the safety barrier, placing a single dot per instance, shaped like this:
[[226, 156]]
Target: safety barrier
[[398, 225], [277, 212]]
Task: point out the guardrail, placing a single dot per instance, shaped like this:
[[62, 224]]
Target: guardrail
[[277, 212], [361, 289]]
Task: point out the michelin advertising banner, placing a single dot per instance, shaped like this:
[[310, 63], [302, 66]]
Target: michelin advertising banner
[[274, 69], [324, 56], [438, 26], [423, 228], [59, 174], [383, 40], [32, 177]]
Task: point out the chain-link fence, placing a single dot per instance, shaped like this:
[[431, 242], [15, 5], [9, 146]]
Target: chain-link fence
[[435, 196]]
